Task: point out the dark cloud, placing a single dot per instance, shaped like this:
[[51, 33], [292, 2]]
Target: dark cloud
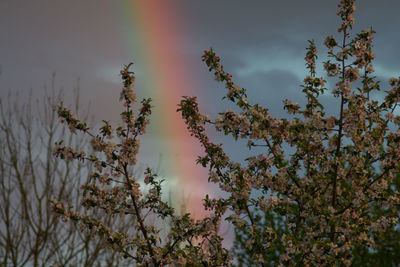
[[261, 42], [271, 88], [72, 38]]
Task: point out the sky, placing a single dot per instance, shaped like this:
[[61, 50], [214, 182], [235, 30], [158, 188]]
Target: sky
[[261, 43]]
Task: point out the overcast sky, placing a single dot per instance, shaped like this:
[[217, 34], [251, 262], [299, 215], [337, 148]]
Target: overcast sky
[[261, 42]]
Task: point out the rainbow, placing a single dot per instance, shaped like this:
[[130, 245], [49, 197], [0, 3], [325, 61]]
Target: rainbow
[[155, 25]]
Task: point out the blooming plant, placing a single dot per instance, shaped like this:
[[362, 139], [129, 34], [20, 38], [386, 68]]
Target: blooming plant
[[113, 189], [318, 203], [313, 207]]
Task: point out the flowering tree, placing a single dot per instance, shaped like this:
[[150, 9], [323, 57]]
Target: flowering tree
[[334, 194], [337, 191], [113, 189]]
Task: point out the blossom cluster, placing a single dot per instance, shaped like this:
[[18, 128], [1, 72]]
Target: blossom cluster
[[311, 56], [68, 153], [71, 119], [346, 13]]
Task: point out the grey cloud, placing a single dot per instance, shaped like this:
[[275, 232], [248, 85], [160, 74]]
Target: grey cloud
[[271, 88], [85, 38]]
